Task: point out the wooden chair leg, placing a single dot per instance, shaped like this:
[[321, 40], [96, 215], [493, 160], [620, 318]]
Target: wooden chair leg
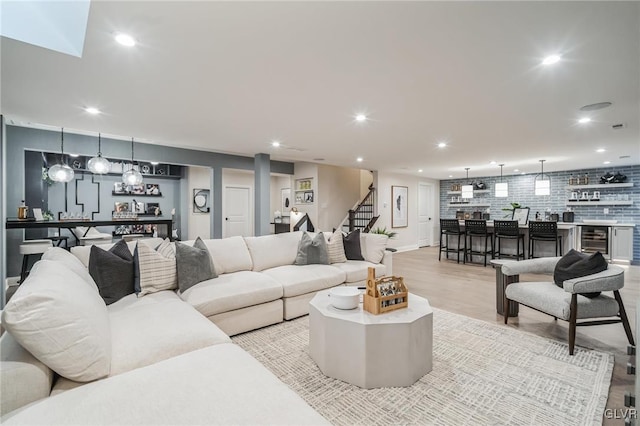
[[485, 249], [572, 322], [623, 317], [440, 251]]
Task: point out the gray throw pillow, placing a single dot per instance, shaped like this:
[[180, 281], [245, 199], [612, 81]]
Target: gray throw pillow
[[312, 251], [112, 271], [194, 264]]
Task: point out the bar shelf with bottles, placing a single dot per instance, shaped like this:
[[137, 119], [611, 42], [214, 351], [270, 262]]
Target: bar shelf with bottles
[[578, 197]]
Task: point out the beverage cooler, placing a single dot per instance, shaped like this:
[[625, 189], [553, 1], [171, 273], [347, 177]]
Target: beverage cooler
[[595, 238]]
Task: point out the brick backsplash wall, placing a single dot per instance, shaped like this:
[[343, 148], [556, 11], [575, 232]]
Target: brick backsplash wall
[[521, 191]]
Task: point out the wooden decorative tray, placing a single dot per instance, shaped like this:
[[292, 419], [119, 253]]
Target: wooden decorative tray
[[376, 303]]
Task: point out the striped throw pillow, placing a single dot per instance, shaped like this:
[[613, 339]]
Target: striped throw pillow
[[156, 269], [335, 248]]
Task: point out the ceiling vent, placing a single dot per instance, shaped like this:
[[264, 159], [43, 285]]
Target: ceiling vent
[[595, 107], [619, 126]]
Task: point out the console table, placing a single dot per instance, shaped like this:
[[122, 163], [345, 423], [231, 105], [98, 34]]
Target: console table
[[35, 224]]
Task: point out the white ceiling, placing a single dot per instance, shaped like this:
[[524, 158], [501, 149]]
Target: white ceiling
[[232, 76]]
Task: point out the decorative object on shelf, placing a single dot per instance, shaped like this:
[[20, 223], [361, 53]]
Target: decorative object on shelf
[[76, 164], [138, 207], [152, 208], [502, 188], [61, 172], [132, 176], [399, 212], [201, 201], [136, 189], [98, 164], [619, 178], [23, 210], [120, 207], [584, 180], [456, 187], [467, 190], [145, 169], [122, 230], [584, 196], [542, 182], [308, 197], [285, 197], [459, 214], [479, 186], [384, 294], [153, 189]]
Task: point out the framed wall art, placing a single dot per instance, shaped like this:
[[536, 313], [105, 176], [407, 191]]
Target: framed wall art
[[399, 213]]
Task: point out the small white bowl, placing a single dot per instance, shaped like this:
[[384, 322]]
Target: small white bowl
[[344, 297]]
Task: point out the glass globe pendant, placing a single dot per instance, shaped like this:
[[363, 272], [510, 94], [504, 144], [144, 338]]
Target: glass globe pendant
[[61, 172], [132, 176], [99, 165]]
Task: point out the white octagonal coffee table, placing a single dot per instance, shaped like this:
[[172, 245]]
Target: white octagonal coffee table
[[371, 351]]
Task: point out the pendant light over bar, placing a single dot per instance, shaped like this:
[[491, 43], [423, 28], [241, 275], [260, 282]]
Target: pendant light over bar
[[502, 188], [132, 176], [98, 164], [61, 172], [467, 190], [542, 182]]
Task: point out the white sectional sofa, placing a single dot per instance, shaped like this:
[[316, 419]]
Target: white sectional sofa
[[172, 362]]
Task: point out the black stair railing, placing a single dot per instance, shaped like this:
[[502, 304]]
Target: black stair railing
[[363, 216]]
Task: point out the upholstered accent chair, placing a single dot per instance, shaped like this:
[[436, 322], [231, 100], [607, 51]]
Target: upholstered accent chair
[[568, 303]]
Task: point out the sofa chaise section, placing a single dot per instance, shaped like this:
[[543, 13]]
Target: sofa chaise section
[[221, 384]]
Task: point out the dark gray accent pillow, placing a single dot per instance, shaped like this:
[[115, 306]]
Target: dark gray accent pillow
[[575, 265], [312, 251], [351, 243], [194, 264], [112, 271]]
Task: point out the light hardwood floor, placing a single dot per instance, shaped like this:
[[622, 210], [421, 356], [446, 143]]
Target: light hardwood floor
[[470, 290]]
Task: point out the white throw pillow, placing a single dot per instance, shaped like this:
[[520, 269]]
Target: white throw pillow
[[58, 254], [156, 268], [335, 247], [373, 246], [62, 321]]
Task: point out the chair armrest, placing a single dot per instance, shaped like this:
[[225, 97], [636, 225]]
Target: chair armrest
[[610, 280], [543, 265], [387, 261]]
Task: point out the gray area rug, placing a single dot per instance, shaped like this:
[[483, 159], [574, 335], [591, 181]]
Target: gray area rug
[[483, 374]]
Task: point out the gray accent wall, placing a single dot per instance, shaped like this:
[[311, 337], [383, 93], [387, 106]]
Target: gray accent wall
[[18, 141], [262, 193]]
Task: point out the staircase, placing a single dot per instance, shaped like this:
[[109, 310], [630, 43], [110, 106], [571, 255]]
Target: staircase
[[362, 216]]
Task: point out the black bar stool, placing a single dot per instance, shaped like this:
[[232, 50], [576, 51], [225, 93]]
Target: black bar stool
[[546, 232], [478, 229], [508, 230], [451, 227]]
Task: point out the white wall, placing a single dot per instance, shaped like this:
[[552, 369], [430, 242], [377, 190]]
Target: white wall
[[338, 191], [278, 183], [241, 178], [407, 238], [198, 224]]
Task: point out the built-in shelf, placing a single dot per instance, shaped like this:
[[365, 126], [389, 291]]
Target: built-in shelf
[[599, 203], [475, 191], [600, 186], [131, 194], [469, 205]]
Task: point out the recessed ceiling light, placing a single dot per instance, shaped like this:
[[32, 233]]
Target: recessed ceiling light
[[549, 60], [492, 163], [419, 170], [92, 110], [584, 120], [606, 162], [154, 163], [125, 40], [73, 155], [522, 173], [275, 144], [516, 170], [442, 144], [600, 150], [359, 159], [361, 118]]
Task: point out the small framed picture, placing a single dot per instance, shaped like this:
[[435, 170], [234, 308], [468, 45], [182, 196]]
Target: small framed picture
[[137, 229], [149, 229], [120, 188], [136, 189], [153, 189], [138, 207], [121, 207], [153, 208], [123, 230], [308, 197]]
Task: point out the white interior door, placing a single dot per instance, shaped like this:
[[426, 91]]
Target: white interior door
[[425, 214], [237, 211]]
